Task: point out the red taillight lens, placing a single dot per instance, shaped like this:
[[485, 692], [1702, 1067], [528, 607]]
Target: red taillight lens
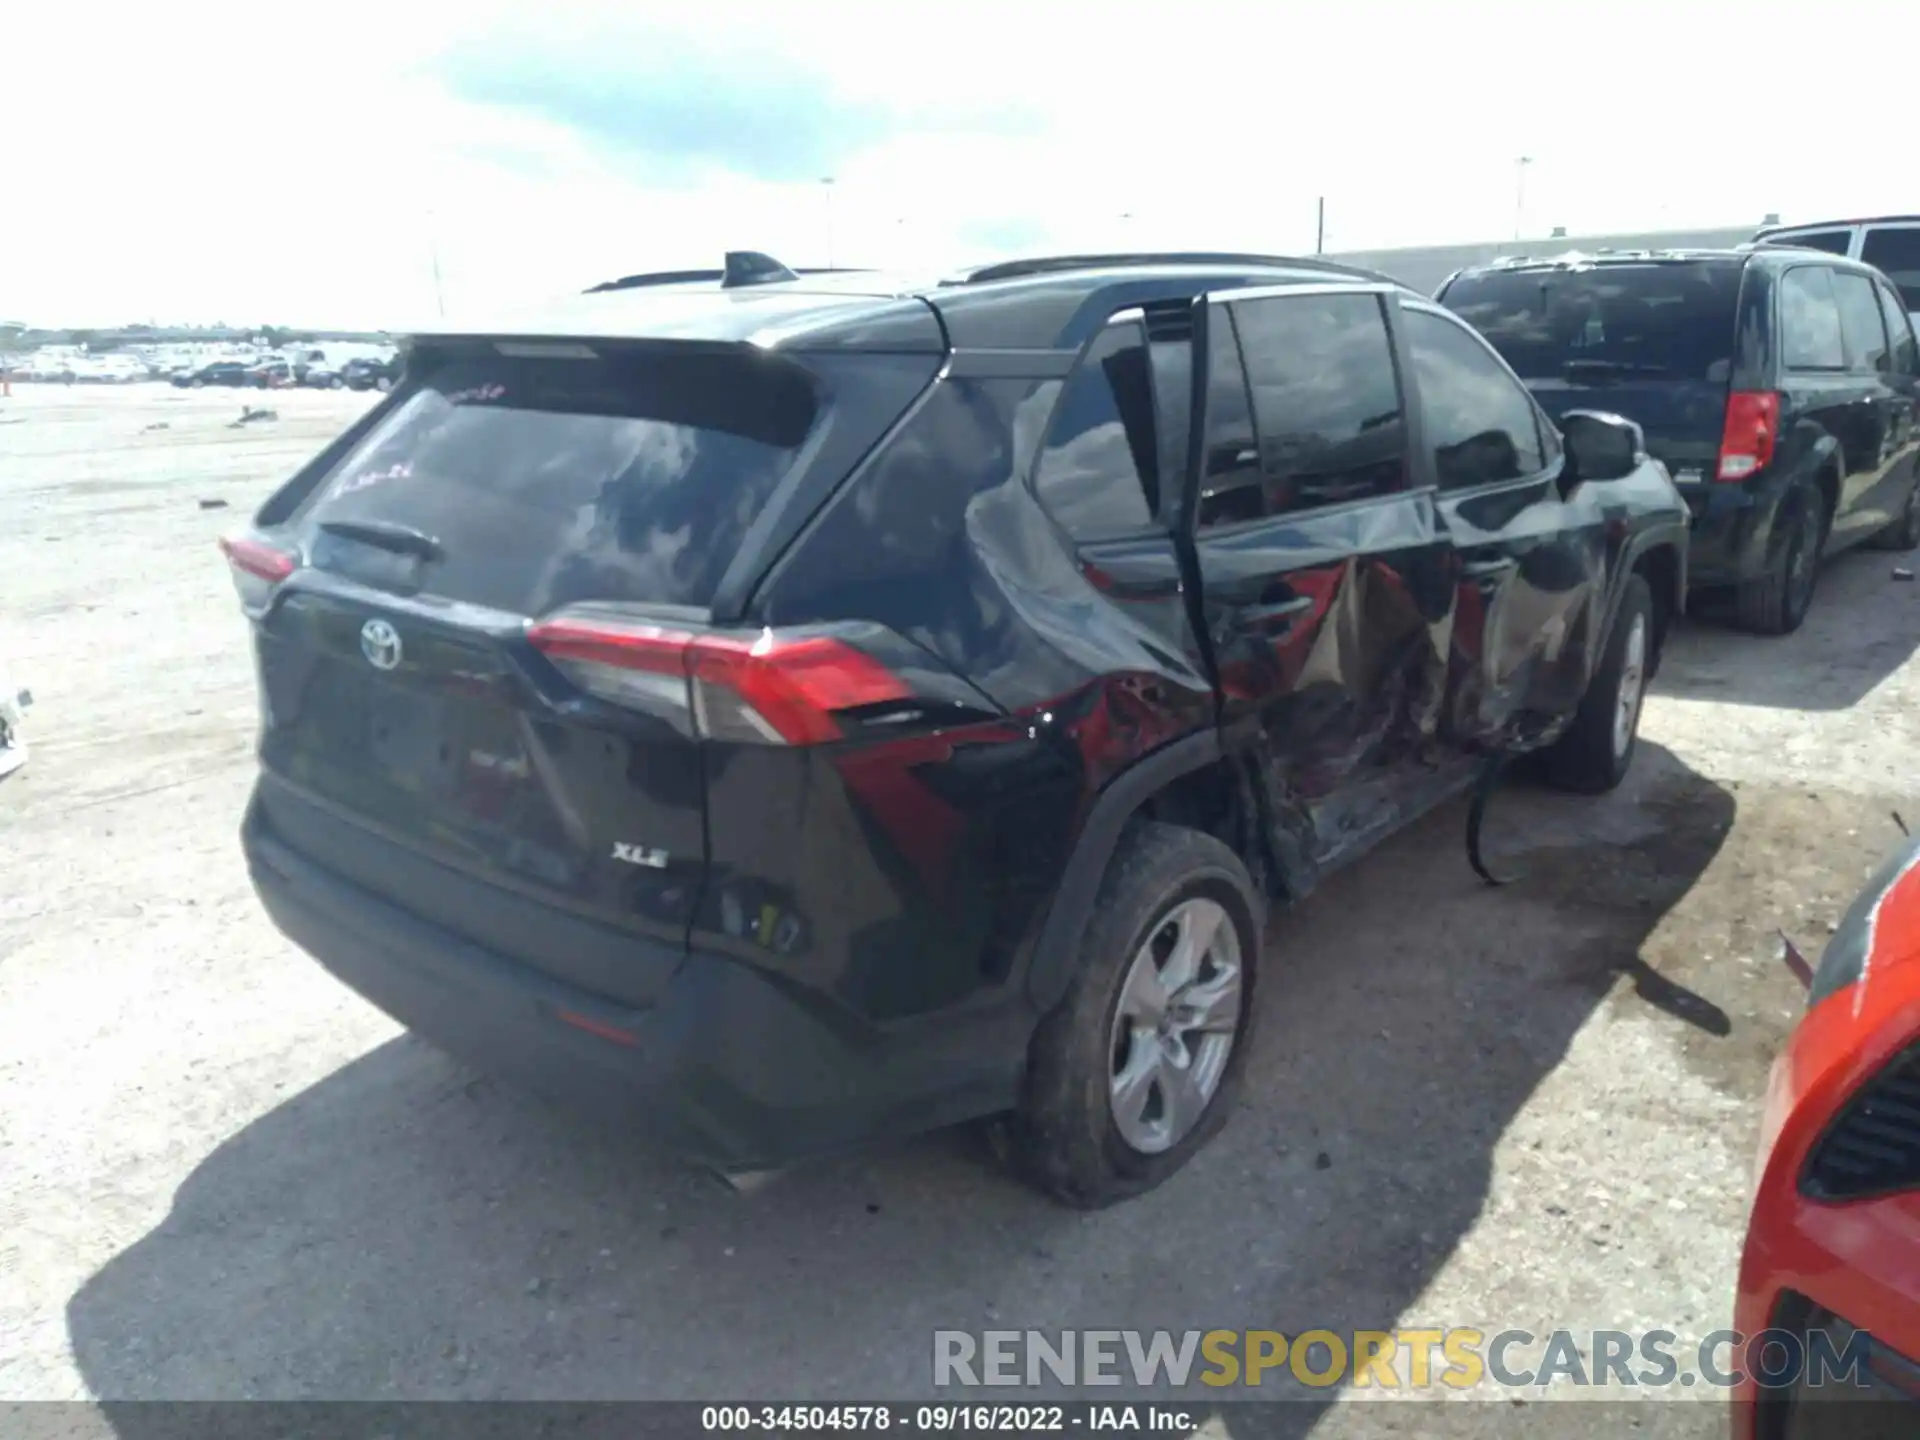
[[1746, 443], [769, 689], [257, 567]]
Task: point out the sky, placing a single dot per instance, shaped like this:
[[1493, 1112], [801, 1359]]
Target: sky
[[313, 166]]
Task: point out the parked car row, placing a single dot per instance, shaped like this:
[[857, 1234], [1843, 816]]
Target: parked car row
[[1780, 385], [75, 369], [360, 373]]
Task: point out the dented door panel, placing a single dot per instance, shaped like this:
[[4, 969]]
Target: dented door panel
[[1530, 595], [1331, 632]]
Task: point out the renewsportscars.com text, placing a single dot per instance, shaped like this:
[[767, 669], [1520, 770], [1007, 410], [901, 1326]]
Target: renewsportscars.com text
[[1460, 1358]]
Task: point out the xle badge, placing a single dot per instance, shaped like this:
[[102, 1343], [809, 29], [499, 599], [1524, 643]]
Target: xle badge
[[640, 855]]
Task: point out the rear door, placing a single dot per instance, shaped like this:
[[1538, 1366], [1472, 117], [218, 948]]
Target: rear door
[[1532, 560], [1322, 564], [481, 671], [1870, 358], [1823, 384], [1902, 379]]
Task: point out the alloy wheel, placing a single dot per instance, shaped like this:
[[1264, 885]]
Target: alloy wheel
[[1633, 686], [1175, 1025]]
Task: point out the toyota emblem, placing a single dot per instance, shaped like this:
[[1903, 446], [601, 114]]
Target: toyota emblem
[[380, 643]]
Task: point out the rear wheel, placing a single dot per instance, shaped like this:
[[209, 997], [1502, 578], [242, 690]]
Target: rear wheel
[[1593, 756], [1904, 532], [1777, 602], [1138, 1066]]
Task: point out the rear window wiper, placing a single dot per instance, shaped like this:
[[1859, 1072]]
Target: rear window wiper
[[1615, 367], [401, 539]]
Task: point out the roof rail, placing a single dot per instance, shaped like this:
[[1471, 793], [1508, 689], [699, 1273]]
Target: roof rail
[[1047, 264], [1767, 229]]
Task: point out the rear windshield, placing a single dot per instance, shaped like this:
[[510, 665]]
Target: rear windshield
[[548, 481], [1652, 320]]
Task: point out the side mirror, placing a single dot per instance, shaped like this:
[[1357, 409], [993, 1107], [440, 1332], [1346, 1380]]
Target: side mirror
[[1602, 446]]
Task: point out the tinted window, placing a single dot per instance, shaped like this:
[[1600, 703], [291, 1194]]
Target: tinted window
[[1657, 319], [1810, 320], [1230, 480], [552, 481], [1171, 361], [1900, 329], [1097, 473], [1326, 404], [1480, 423], [1834, 242], [1896, 253], [1860, 322]]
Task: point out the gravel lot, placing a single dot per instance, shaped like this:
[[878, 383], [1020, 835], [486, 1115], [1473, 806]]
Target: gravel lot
[[222, 1175]]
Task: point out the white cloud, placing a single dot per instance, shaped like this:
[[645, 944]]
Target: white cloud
[[212, 162]]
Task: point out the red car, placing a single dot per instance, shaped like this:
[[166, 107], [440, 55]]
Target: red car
[[1830, 1278]]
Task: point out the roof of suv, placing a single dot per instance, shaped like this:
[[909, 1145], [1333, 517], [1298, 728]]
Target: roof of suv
[[1040, 303], [1580, 260], [1766, 230]]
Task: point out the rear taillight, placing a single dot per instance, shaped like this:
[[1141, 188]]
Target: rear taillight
[[257, 567], [1746, 443], [767, 689]]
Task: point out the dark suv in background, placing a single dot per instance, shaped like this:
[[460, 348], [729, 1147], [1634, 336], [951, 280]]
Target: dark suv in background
[[1778, 384], [793, 710]]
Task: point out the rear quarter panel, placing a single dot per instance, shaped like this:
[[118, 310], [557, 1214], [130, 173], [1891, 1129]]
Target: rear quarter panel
[[938, 853]]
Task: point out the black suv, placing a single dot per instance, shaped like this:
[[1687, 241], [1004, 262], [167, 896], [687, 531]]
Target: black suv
[[1778, 384], [219, 372], [364, 373], [792, 710]]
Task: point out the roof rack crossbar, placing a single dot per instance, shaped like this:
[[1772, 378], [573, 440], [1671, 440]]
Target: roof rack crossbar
[[1045, 264]]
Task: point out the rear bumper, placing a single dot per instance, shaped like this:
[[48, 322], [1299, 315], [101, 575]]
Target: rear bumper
[[1730, 533], [731, 1067]]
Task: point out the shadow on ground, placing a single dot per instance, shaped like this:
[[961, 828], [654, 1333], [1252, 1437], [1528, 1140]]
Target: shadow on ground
[[404, 1229], [1862, 627]]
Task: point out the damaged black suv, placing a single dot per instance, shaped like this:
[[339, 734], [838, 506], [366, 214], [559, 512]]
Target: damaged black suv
[[791, 709]]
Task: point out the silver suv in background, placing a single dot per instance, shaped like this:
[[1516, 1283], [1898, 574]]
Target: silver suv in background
[[1890, 243]]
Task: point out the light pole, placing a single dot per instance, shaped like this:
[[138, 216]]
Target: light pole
[[826, 185], [433, 252], [1520, 191]]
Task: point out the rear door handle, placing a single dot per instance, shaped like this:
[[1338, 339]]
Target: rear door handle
[[1261, 617]]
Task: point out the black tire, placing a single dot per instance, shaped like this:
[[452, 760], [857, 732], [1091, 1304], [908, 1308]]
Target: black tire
[[1777, 602], [1904, 532], [1064, 1138], [1589, 758]]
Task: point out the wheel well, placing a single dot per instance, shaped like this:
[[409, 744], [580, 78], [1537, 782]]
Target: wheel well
[[1829, 482], [1660, 568], [1216, 800]]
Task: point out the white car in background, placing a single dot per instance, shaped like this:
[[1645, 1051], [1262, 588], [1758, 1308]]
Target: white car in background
[[1889, 243]]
